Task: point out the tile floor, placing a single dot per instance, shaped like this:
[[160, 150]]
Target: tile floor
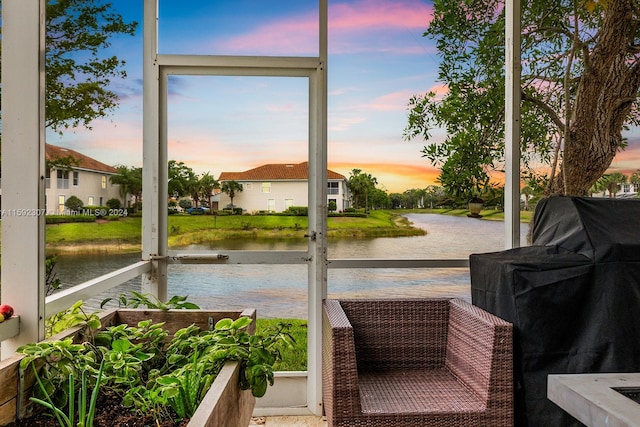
[[306, 421]]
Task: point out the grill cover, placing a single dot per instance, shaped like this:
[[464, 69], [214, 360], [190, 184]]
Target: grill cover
[[573, 297]]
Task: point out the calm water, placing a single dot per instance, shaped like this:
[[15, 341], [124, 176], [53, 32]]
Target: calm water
[[281, 290]]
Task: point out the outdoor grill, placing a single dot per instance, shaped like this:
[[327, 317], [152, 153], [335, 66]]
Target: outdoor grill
[[573, 297]]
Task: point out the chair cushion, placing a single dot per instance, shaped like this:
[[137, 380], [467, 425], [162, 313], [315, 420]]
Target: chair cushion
[[416, 392]]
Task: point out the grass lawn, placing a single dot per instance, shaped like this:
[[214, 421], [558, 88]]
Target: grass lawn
[[293, 359], [193, 229], [197, 229]]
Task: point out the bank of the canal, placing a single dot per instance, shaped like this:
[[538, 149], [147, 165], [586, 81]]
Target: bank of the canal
[[124, 234]]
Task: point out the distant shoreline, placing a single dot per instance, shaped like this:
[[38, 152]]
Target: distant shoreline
[[183, 233]]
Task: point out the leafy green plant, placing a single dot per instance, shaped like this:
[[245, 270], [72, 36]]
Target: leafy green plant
[[73, 316], [194, 358], [51, 280], [57, 360], [85, 416], [138, 299], [185, 389], [149, 373]]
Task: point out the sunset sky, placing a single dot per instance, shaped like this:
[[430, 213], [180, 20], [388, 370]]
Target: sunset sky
[[377, 60]]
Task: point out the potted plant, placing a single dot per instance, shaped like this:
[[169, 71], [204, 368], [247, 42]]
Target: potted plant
[[156, 362], [475, 206]]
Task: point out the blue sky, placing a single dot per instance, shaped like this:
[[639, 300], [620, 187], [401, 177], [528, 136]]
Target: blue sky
[[377, 60]]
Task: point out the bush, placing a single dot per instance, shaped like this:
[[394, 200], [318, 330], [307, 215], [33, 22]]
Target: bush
[[298, 210], [61, 219], [73, 204], [185, 204], [114, 203]]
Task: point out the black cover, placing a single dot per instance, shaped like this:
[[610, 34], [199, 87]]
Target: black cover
[[601, 229], [573, 297]]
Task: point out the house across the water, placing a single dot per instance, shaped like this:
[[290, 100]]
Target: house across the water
[[276, 187], [70, 173]]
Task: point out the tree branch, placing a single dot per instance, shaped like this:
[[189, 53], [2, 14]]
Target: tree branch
[[545, 108]]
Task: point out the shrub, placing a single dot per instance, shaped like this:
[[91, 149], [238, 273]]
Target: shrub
[[185, 204], [73, 203], [114, 203], [298, 210], [61, 219]]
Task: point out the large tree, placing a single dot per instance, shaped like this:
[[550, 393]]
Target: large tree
[[181, 179], [207, 184], [361, 185], [230, 188], [579, 89], [129, 179], [78, 72]]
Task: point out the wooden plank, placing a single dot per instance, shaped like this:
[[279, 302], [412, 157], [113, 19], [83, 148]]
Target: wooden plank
[[225, 405], [8, 412]]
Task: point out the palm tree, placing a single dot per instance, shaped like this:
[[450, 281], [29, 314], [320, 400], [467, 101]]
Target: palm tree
[[129, 181], [361, 183], [613, 182], [527, 192], [207, 184], [230, 188], [635, 180]]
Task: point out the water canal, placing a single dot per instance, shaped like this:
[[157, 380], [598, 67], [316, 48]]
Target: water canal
[[281, 290]]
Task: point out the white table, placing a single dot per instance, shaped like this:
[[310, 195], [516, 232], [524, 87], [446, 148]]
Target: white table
[[592, 400]]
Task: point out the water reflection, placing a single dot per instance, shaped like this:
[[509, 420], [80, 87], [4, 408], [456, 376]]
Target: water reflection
[[281, 290]]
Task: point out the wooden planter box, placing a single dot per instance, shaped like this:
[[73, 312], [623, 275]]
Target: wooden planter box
[[224, 405]]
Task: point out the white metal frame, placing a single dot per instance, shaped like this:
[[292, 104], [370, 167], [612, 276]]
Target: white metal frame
[[23, 167], [157, 69], [23, 180]]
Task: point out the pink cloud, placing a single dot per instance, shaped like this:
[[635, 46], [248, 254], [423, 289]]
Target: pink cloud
[[627, 161], [391, 101], [361, 26], [379, 15], [440, 90]]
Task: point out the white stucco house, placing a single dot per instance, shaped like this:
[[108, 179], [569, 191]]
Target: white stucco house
[[276, 187], [84, 177]]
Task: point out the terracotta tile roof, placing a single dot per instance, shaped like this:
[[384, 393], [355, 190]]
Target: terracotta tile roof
[[84, 162], [275, 172]]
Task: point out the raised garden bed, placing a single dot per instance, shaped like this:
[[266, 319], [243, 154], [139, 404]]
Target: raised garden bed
[[225, 404]]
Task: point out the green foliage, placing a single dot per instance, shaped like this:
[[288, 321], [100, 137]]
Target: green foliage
[[361, 186], [73, 203], [297, 210], [138, 299], [562, 88], [62, 219], [57, 360], [231, 188], [73, 316], [185, 204], [202, 187], [77, 89], [85, 417], [181, 178], [149, 372], [114, 203], [51, 280], [293, 358], [129, 181]]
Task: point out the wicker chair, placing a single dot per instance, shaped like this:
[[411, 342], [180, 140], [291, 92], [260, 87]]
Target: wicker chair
[[419, 362]]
